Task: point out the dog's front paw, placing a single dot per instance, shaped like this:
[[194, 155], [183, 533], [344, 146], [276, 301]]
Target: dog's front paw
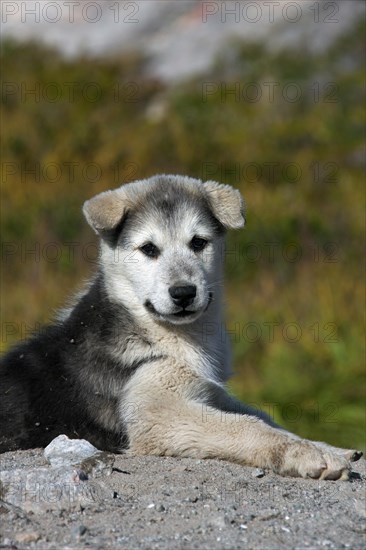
[[305, 459], [349, 454]]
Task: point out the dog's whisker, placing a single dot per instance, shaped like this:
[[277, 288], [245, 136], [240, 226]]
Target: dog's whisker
[[215, 283]]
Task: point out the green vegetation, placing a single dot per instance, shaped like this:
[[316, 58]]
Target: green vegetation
[[295, 288]]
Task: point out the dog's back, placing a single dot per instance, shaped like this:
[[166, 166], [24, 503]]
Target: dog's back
[[49, 384]]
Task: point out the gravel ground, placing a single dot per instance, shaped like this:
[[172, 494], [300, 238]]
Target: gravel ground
[[165, 503]]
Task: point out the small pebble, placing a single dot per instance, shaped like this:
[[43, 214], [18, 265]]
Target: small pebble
[[258, 472], [25, 538], [78, 531]]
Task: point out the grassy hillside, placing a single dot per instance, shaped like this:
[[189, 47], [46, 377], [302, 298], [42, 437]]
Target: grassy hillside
[[286, 129]]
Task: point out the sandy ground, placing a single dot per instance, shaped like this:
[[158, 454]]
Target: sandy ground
[[166, 503]]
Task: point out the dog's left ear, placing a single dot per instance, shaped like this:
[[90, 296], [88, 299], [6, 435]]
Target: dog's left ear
[[105, 212], [226, 203]]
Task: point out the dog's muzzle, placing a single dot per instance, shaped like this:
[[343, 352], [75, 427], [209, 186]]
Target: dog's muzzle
[[183, 312]]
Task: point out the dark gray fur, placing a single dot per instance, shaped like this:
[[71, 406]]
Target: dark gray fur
[[63, 380]]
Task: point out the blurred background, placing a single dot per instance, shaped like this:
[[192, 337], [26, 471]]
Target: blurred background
[[266, 96]]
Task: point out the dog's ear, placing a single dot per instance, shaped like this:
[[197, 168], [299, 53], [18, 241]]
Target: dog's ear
[[226, 203], [105, 212]]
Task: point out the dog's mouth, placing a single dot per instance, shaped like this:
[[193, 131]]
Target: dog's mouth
[[183, 313]]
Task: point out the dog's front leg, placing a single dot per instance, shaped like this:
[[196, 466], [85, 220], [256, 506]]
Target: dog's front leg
[[168, 420], [217, 396]]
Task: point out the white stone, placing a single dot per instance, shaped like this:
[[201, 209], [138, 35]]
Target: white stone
[[63, 451]]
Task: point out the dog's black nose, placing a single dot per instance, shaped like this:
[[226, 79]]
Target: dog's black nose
[[183, 295]]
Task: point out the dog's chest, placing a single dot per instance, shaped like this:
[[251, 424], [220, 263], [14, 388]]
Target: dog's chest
[[206, 356]]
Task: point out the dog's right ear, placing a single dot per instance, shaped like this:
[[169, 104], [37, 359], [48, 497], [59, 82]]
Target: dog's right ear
[[106, 212]]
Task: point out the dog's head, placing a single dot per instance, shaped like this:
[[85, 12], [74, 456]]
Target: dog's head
[[162, 243]]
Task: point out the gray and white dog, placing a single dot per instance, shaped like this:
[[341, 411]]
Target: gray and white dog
[[138, 362]]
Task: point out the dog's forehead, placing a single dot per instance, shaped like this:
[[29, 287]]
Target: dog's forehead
[[174, 204], [171, 212], [181, 216], [164, 194]]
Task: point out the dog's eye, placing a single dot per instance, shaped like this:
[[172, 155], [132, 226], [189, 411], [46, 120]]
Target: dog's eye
[[150, 250], [197, 244]]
